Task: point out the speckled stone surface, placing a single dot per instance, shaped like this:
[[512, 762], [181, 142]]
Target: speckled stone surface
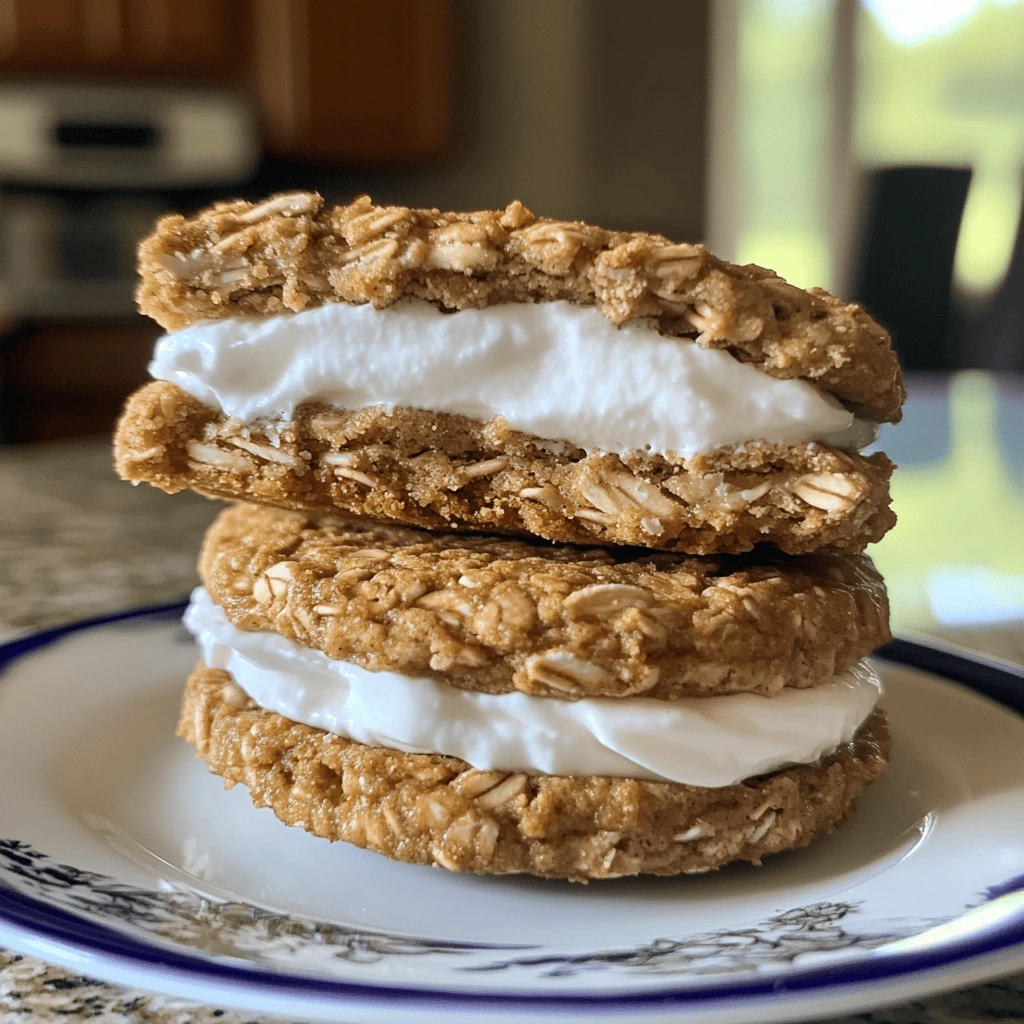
[[74, 542]]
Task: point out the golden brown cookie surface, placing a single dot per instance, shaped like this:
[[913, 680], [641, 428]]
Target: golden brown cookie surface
[[444, 471], [290, 253], [494, 615], [429, 809]]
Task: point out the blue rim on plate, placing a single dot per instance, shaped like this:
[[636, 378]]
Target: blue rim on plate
[[999, 681]]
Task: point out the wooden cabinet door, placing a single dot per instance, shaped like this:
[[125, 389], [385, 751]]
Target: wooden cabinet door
[[206, 40], [354, 81], [47, 36], [198, 40]]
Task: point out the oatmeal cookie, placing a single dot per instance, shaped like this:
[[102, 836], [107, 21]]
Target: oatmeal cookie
[[445, 471], [493, 615], [430, 809], [289, 253]]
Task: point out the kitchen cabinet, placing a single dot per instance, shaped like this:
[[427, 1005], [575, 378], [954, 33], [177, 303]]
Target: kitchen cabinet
[[354, 82], [194, 40], [337, 82]]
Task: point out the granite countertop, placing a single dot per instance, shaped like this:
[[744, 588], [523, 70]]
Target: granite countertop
[[74, 542]]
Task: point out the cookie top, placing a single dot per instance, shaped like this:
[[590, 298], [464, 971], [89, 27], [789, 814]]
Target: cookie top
[[498, 615], [289, 253]]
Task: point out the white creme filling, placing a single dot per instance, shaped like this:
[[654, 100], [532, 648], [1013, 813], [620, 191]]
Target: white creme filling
[[551, 369], [701, 741]]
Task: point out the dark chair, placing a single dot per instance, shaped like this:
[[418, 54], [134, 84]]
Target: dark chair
[[904, 269], [998, 330]]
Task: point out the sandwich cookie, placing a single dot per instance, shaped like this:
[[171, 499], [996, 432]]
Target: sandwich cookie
[[499, 372], [437, 810], [490, 705]]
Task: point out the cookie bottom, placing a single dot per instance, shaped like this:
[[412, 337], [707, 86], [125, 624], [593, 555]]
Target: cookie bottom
[[441, 471], [431, 809]]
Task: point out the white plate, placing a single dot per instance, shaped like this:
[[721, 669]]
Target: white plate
[[120, 856]]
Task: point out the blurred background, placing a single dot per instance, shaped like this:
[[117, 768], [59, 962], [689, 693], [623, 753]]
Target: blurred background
[[875, 148]]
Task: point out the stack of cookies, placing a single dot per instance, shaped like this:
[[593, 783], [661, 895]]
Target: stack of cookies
[[546, 550]]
